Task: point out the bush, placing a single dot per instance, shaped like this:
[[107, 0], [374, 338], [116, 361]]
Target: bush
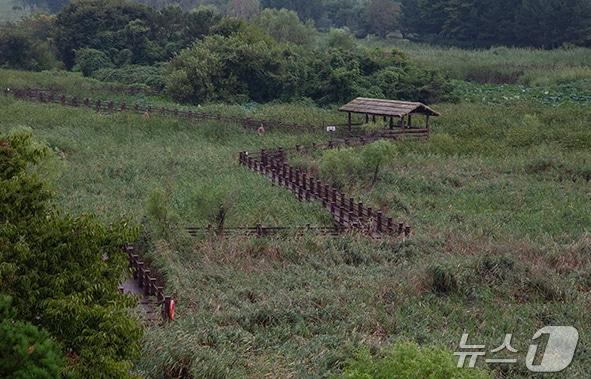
[[409, 361], [26, 351], [91, 60], [340, 39]]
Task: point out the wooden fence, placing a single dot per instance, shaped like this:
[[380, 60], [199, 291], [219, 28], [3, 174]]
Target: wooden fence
[[45, 96], [264, 231], [48, 96], [347, 213], [150, 282]]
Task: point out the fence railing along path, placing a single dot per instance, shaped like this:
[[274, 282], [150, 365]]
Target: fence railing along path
[[264, 231], [150, 283], [47, 96], [346, 212]]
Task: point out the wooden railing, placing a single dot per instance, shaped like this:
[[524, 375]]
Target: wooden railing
[[346, 213], [150, 283]]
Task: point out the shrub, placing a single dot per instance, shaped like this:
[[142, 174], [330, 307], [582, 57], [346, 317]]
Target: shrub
[[91, 60], [26, 351], [340, 39], [408, 360]]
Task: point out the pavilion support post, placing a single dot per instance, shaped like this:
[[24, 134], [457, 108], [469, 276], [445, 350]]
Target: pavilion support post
[[391, 122], [350, 123], [427, 125], [366, 118], [409, 121], [373, 118]]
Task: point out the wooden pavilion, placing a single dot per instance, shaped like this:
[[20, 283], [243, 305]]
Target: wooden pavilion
[[389, 110]]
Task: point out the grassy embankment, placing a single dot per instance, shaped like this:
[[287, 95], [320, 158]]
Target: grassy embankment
[[498, 198]]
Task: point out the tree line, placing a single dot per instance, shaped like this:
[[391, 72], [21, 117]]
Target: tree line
[[484, 23], [202, 55], [465, 23]]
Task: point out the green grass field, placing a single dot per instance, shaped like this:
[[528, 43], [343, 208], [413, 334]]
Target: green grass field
[[498, 199]]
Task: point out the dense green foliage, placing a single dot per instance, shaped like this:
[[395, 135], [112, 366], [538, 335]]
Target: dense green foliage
[[62, 272], [467, 23], [477, 23], [26, 351], [245, 66], [90, 60], [26, 45], [273, 57], [128, 32], [409, 361]]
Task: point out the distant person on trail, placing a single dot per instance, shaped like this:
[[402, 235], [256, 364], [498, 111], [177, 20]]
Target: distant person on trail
[[261, 130], [146, 115]]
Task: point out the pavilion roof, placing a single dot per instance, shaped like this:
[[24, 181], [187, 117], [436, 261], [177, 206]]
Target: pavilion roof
[[381, 107]]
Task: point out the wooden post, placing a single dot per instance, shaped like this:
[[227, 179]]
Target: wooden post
[[410, 121], [366, 118], [427, 125], [350, 122]]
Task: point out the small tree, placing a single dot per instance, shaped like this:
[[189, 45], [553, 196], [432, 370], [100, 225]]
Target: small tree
[[375, 155], [285, 26], [91, 60], [340, 39]]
